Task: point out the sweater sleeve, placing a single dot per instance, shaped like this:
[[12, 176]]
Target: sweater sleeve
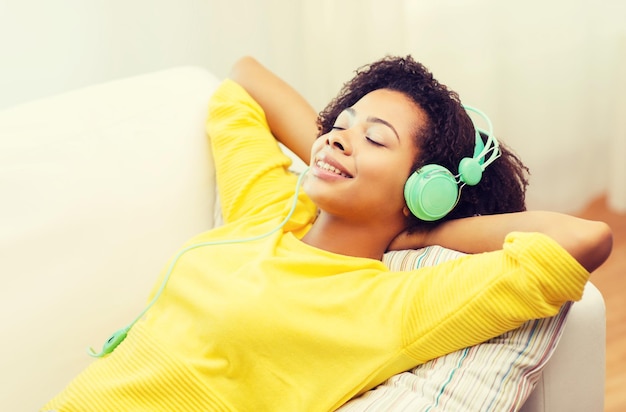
[[251, 169], [469, 300]]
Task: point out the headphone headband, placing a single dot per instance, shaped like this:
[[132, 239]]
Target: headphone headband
[[491, 145]]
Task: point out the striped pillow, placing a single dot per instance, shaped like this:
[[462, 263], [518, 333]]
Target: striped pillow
[[497, 375]]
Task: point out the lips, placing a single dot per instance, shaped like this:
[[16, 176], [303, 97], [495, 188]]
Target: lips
[[331, 166]]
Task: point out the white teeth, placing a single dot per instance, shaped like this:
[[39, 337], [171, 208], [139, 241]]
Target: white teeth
[[330, 168]]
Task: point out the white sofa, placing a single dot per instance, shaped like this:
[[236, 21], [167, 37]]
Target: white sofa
[[99, 187]]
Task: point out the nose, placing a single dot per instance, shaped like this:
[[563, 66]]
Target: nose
[[338, 140]]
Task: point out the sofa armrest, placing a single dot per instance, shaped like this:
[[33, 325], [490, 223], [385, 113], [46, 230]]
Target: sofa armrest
[[574, 378], [100, 186]]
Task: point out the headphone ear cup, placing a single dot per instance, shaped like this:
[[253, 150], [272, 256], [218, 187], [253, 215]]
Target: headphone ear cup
[[431, 192], [470, 170]]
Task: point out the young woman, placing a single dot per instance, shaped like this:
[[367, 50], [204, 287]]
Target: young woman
[[288, 307]]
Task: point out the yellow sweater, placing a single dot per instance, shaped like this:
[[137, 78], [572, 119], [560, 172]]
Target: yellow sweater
[[277, 325]]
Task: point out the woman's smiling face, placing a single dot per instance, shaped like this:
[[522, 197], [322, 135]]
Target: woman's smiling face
[[359, 168]]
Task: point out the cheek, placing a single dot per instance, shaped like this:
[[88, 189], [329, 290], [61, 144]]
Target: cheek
[[315, 147], [390, 181]]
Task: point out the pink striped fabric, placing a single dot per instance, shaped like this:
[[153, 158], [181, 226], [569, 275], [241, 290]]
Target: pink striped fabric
[[497, 375]]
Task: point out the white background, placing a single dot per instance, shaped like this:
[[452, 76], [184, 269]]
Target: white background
[[550, 73]]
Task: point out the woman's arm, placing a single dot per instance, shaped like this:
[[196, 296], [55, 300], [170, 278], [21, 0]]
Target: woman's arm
[[589, 242], [292, 120]]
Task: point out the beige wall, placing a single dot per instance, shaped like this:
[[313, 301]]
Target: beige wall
[[545, 71]]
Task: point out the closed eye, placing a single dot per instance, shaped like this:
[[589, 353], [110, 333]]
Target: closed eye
[[374, 142]]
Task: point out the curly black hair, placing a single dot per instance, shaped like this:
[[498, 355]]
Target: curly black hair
[[446, 138]]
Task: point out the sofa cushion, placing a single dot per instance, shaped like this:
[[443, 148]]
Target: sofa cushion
[[99, 186]]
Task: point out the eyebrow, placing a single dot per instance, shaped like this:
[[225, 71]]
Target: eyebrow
[[373, 119]]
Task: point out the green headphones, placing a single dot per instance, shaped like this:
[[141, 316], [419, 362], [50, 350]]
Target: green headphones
[[433, 191]]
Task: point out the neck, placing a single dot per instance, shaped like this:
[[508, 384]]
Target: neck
[[368, 240]]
